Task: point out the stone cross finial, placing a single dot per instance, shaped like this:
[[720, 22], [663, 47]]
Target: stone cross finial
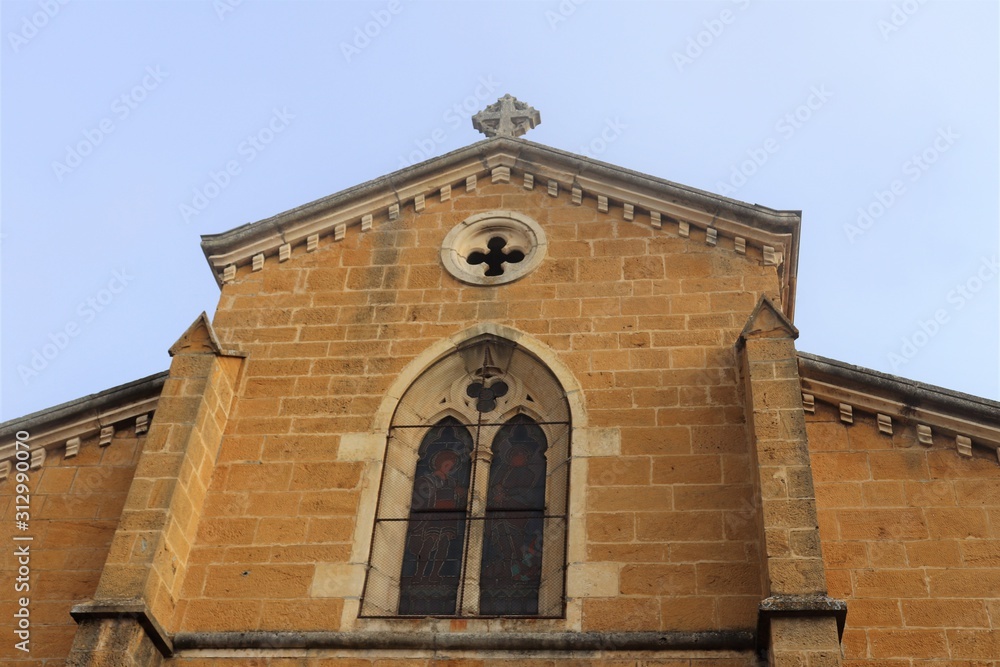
[[506, 118]]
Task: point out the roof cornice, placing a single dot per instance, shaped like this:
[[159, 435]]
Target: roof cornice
[[971, 420], [82, 418], [634, 194]]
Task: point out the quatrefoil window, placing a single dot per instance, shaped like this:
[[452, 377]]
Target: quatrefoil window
[[493, 248], [496, 257]]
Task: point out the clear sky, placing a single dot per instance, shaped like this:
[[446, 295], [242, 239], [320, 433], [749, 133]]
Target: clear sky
[[878, 120]]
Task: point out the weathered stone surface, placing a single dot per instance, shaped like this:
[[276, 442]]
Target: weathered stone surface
[[508, 117], [698, 483]]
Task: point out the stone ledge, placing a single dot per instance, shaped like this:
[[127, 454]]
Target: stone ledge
[[725, 640], [797, 606], [127, 609]]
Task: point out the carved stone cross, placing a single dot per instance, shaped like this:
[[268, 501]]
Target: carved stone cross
[[507, 118]]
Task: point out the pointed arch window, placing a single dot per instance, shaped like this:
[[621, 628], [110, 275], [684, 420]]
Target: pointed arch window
[[514, 534], [435, 533], [471, 520]]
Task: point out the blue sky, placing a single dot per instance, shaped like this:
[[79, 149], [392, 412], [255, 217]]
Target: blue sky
[[879, 120]]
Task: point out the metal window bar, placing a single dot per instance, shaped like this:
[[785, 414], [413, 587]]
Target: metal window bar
[[382, 594], [549, 597]]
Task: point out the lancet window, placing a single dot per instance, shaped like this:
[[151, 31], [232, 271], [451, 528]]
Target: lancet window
[[471, 519]]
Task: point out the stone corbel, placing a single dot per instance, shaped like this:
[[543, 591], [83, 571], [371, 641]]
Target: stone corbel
[[797, 606], [134, 610], [72, 447]]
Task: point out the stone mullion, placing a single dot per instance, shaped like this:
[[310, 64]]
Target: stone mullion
[[476, 524]]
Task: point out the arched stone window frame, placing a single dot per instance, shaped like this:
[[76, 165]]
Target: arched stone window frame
[[535, 390]]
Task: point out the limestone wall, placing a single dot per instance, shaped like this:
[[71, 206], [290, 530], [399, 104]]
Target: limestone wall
[[663, 533], [75, 506], [911, 539]]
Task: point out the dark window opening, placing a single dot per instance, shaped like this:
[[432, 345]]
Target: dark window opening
[[472, 513], [515, 521], [432, 560], [496, 257]]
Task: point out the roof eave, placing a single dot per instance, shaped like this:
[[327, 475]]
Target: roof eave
[[52, 427], [347, 207], [949, 412]]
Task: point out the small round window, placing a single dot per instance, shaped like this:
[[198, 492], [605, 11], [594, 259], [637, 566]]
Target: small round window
[[493, 248]]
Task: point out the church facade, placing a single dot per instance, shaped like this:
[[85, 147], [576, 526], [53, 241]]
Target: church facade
[[509, 404]]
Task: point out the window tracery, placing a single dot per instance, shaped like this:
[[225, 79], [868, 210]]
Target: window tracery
[[493, 248], [471, 519]]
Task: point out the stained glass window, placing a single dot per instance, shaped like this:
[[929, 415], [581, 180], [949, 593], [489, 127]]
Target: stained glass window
[[515, 511], [471, 518], [432, 560]]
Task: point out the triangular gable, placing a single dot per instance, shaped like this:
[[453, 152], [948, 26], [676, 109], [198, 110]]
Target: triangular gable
[[620, 192], [767, 321], [200, 338]]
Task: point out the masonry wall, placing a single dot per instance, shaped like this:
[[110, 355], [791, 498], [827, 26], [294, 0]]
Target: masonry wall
[[911, 539], [75, 506], [645, 321]]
